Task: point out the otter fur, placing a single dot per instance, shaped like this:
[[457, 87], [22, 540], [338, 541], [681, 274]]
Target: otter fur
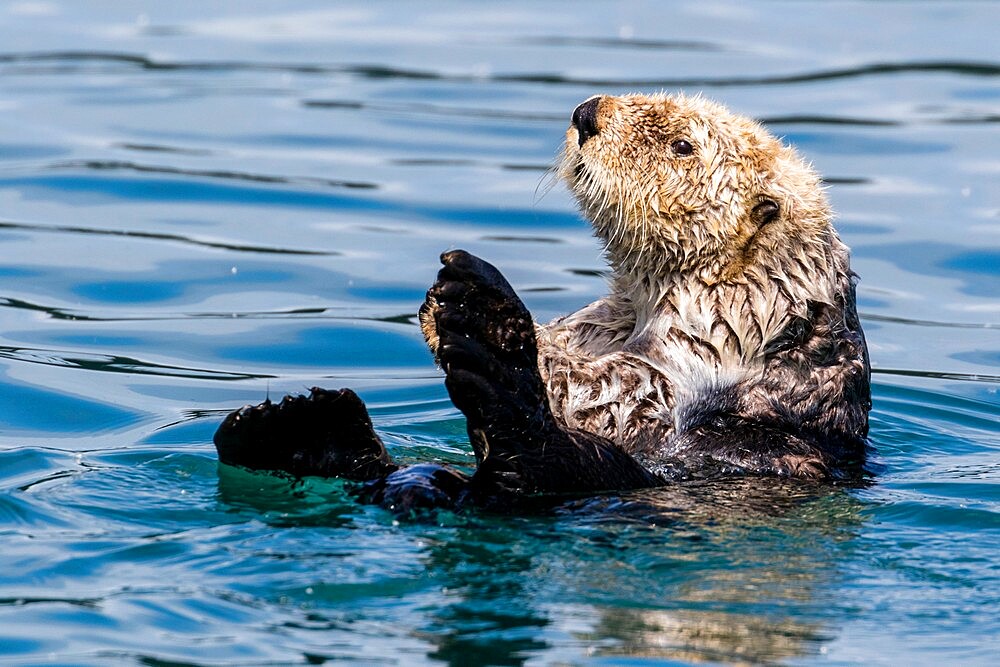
[[729, 342]]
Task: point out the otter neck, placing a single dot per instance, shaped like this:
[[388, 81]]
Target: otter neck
[[738, 317], [658, 247]]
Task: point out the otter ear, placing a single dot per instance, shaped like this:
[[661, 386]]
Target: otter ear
[[764, 212]]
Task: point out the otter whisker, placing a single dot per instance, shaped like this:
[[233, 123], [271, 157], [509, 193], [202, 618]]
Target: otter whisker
[[546, 182]]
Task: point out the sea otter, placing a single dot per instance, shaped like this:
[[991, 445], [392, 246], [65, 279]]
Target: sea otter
[[729, 342]]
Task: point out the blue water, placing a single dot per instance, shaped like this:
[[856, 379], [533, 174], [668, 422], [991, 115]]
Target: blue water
[[205, 203]]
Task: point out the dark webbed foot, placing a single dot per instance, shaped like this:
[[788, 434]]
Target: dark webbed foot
[[486, 345], [327, 434]]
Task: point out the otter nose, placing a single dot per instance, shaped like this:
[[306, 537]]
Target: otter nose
[[585, 119]]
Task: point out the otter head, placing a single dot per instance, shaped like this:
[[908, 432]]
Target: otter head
[[677, 184]]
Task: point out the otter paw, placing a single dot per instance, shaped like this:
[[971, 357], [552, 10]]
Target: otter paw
[[486, 346], [464, 275], [472, 299], [326, 434]]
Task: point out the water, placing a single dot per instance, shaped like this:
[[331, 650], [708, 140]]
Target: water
[[203, 203]]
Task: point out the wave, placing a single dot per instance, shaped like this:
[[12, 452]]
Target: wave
[[109, 363], [938, 375], [70, 60], [160, 236], [125, 165]]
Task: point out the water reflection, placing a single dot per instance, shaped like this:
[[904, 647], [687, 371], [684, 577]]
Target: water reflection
[[735, 571], [701, 572]]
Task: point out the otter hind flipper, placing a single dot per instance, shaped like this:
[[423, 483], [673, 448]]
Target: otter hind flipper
[[325, 434], [487, 348], [486, 345]]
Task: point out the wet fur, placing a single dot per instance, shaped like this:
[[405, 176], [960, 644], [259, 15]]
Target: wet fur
[[729, 341], [712, 317]]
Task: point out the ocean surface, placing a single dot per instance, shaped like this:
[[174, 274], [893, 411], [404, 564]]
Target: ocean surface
[[204, 204]]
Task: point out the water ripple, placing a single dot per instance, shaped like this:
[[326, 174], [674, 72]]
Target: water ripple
[[359, 313], [122, 165], [116, 364], [65, 61], [875, 317], [159, 148], [623, 43], [942, 375], [427, 108], [160, 236]]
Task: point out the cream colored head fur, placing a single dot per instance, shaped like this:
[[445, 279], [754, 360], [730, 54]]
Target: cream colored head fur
[[662, 210]]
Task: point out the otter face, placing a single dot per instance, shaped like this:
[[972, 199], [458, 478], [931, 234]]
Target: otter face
[[674, 183]]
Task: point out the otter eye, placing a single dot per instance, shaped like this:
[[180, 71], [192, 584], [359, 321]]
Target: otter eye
[[682, 147], [765, 212]]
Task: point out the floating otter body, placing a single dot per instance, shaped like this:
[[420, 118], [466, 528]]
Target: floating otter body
[[729, 342]]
